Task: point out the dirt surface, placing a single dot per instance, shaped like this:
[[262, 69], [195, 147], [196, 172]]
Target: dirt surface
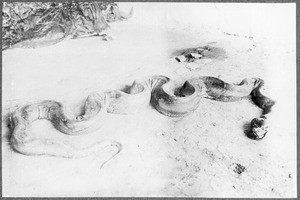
[[205, 154]]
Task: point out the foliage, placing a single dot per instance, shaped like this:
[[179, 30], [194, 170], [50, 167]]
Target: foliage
[[38, 23]]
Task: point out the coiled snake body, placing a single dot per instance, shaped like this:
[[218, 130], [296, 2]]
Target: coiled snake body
[[171, 98]]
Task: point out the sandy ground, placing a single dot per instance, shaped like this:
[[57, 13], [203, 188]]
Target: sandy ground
[[197, 155]]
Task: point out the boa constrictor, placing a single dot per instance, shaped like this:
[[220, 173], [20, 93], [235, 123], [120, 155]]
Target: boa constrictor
[[171, 98]]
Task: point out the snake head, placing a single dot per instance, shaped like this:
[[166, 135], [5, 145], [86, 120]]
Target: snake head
[[259, 128]]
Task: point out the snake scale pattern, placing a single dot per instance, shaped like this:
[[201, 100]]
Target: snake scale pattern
[[169, 97]]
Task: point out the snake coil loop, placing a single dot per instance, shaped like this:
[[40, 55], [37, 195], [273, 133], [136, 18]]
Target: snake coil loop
[[171, 98]]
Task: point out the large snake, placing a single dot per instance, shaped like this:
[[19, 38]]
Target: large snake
[[171, 98]]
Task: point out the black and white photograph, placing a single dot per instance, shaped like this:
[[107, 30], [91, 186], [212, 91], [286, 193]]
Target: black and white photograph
[[149, 99]]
